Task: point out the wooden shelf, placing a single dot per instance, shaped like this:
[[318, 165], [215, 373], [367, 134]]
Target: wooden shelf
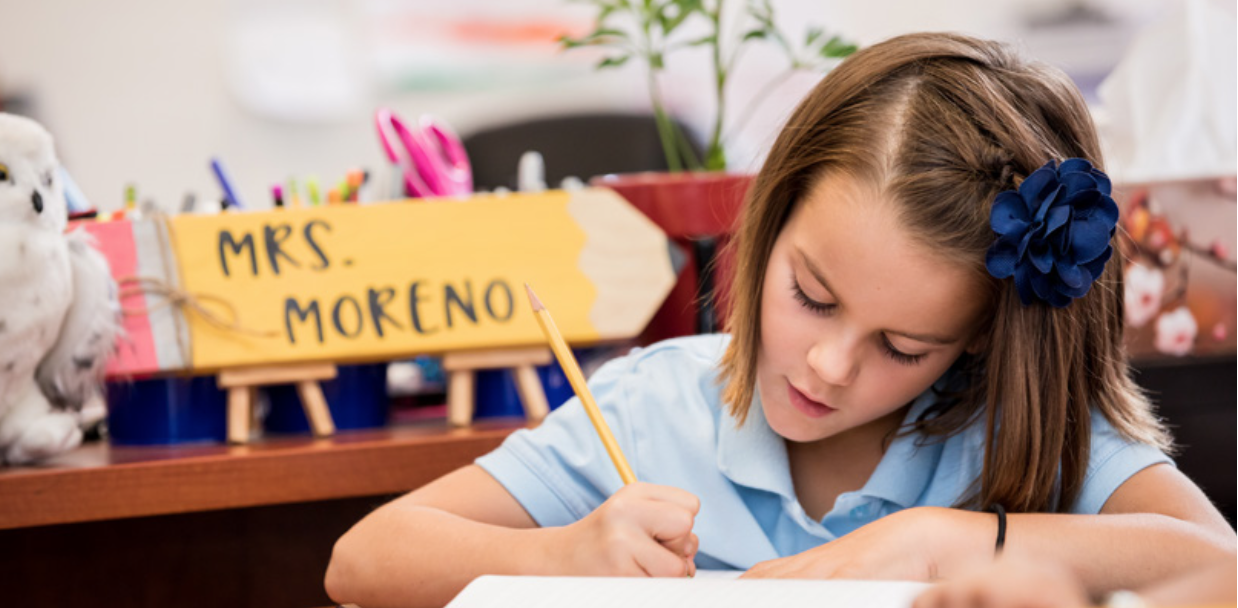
[[100, 482]]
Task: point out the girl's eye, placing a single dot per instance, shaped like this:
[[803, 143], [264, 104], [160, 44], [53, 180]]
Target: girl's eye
[[897, 355], [822, 308], [812, 305]]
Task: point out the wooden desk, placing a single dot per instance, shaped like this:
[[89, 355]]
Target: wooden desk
[[209, 525]]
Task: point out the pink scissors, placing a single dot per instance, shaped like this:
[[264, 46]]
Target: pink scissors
[[431, 158]]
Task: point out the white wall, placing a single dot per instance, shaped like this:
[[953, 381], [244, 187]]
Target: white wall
[[138, 91]]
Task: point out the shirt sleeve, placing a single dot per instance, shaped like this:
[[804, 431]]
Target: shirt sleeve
[[1113, 460], [560, 471]]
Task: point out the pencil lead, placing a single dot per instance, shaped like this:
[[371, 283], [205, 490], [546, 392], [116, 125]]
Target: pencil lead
[[537, 304]]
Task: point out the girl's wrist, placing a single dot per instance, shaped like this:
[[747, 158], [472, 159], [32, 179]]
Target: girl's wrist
[[546, 552], [965, 540]]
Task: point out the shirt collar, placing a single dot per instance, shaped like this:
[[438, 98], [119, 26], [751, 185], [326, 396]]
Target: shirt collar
[[753, 455], [908, 465]]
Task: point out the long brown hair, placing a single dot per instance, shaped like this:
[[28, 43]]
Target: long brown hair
[[943, 123]]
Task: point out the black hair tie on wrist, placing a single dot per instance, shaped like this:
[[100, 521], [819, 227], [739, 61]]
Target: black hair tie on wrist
[[1001, 528]]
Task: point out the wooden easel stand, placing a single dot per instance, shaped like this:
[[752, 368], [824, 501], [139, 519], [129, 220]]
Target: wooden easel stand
[[461, 368], [242, 385]]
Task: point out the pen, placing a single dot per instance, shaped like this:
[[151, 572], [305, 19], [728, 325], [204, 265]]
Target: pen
[[277, 192], [131, 197], [311, 187], [222, 177], [294, 196], [355, 180], [577, 379]]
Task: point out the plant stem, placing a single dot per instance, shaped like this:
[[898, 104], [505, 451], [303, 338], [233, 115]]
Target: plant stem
[[715, 157], [666, 133], [685, 147], [666, 129]]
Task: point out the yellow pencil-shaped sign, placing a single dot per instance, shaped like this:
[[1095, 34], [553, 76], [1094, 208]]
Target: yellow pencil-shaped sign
[[577, 379], [383, 281]]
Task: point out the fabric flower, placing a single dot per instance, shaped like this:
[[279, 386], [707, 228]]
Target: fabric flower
[[1175, 332], [1053, 232], [1144, 287]]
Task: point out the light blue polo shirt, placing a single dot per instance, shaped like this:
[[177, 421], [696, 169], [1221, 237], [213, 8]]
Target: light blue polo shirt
[[664, 407]]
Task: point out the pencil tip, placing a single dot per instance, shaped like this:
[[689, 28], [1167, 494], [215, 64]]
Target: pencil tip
[[537, 304]]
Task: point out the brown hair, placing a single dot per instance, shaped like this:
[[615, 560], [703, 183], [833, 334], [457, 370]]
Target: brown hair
[[942, 123]]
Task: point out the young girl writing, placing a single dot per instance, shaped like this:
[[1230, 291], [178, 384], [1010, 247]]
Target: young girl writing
[[927, 327]]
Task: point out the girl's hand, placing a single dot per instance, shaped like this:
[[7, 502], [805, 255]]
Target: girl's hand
[[921, 544], [1008, 583], [642, 530]]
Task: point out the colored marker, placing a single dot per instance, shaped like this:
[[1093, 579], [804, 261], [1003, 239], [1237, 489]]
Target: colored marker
[[131, 197], [230, 197], [294, 197], [311, 187], [277, 192], [356, 178]]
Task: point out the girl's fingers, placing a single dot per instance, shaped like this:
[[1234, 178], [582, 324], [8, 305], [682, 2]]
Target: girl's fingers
[[655, 560], [663, 521], [673, 495]]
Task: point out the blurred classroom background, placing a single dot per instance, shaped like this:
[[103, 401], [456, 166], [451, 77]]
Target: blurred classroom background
[[146, 92], [143, 92]]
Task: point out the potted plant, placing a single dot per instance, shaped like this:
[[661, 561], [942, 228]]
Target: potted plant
[[697, 208]]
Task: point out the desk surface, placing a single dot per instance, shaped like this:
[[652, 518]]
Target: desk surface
[[99, 481]]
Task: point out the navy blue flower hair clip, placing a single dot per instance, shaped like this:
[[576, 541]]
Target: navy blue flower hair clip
[[1053, 233]]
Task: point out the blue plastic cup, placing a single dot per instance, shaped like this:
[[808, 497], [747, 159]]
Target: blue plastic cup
[[497, 396], [357, 398], [161, 411]]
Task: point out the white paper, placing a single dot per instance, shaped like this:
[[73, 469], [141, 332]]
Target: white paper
[[709, 591]]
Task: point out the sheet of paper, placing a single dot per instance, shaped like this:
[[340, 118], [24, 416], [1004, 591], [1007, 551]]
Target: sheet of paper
[[708, 592]]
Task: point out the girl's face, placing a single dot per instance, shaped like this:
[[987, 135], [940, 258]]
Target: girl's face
[[857, 319]]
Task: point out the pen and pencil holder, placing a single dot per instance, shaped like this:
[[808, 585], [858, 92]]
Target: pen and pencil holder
[[357, 398], [163, 411]]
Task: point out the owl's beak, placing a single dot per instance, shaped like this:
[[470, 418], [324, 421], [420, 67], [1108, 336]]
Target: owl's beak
[[37, 199]]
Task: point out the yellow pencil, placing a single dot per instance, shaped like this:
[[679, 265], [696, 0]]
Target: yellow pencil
[[568, 362]]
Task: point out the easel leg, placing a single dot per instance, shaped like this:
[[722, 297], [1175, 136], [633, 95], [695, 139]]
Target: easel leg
[[460, 398], [316, 409], [239, 406], [531, 393]]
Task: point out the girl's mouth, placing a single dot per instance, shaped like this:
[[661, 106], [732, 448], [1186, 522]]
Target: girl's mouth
[[807, 406]]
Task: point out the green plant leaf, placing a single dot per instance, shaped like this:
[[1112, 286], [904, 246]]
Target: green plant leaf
[[837, 48], [613, 62], [606, 32], [656, 62], [813, 35], [710, 39], [756, 34]]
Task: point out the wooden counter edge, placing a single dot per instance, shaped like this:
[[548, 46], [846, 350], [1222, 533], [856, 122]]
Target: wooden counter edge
[[304, 471]]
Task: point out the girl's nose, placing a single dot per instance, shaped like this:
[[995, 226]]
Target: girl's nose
[[835, 360]]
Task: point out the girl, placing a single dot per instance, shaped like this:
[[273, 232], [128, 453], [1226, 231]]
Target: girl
[[926, 326]]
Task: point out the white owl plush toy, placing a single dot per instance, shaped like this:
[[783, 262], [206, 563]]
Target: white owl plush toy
[[59, 311]]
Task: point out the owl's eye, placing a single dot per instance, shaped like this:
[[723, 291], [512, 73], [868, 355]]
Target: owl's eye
[[47, 179], [4, 172]]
